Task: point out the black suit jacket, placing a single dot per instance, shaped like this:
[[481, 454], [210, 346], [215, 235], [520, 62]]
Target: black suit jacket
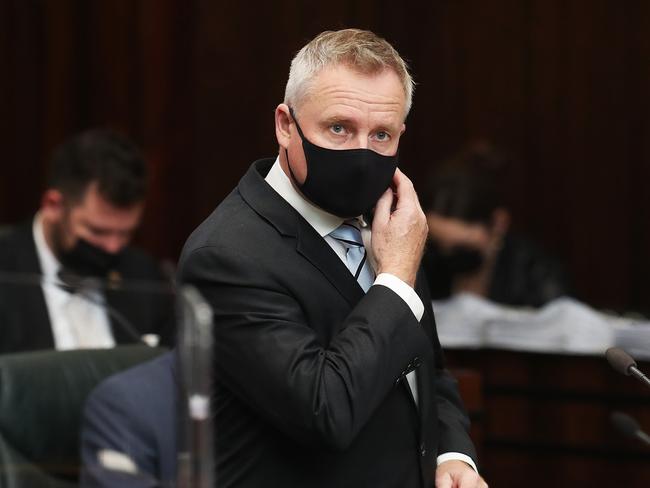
[[310, 371], [24, 319]]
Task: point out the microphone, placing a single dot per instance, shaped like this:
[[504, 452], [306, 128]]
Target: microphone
[[624, 364], [629, 427]]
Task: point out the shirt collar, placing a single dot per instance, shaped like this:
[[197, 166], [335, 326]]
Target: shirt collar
[[322, 221], [50, 265]]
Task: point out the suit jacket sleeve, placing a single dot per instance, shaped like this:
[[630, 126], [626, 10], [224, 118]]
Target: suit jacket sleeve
[[453, 425], [268, 356], [111, 423]]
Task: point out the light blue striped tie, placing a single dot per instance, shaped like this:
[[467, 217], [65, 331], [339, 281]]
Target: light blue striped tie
[[349, 235]]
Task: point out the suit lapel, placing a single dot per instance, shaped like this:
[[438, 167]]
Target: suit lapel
[[275, 210], [318, 252], [36, 319], [34, 330]]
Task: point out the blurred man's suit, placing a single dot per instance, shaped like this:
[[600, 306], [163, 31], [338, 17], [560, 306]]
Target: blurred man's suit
[[310, 371], [24, 319], [133, 413]]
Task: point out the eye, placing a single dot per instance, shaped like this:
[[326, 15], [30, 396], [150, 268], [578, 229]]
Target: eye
[[382, 136], [337, 128]]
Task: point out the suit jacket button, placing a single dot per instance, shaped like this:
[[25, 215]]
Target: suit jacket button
[[423, 450], [398, 380]]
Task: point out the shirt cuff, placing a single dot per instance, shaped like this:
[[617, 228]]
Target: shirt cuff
[[456, 456], [404, 291]]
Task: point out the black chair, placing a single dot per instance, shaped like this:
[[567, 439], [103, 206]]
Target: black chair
[[42, 395]]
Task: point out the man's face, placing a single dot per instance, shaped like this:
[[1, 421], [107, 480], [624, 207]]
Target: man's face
[[344, 110], [93, 219]]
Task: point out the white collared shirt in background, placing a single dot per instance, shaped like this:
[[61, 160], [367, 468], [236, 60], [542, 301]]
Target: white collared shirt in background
[[77, 319]]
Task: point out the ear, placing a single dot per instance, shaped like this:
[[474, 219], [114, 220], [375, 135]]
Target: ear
[[500, 221], [402, 130], [283, 122], [52, 205]]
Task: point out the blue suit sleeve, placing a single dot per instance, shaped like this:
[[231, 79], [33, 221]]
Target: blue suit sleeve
[[112, 422]]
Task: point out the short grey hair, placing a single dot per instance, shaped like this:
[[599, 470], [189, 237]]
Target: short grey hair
[[361, 50]]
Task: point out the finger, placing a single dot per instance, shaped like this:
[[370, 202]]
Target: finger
[[383, 206], [404, 189], [444, 481], [469, 479]]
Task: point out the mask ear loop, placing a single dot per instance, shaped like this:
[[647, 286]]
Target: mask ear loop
[[302, 137], [293, 116]]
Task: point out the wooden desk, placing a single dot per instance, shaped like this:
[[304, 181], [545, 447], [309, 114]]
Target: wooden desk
[[545, 420]]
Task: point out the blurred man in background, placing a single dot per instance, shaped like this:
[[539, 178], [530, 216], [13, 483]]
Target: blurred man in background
[[471, 247], [77, 244]]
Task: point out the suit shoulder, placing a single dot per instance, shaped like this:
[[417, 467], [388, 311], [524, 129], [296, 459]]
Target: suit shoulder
[[18, 250], [232, 227], [15, 239], [138, 383]]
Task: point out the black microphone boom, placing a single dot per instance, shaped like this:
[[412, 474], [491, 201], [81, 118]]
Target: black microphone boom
[[629, 427], [625, 364], [73, 283]]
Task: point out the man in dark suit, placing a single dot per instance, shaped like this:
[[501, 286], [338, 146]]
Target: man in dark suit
[[64, 276], [129, 430], [329, 372]]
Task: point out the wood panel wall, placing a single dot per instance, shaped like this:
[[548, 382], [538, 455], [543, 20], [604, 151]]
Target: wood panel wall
[[560, 85]]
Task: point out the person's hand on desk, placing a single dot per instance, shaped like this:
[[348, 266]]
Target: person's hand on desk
[[457, 474]]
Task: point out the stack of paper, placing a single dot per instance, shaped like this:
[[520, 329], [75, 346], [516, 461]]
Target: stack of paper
[[563, 326], [634, 337]]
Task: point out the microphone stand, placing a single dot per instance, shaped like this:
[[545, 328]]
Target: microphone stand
[[196, 468]]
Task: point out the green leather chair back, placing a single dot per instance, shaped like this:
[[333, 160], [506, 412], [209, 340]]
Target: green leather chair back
[[42, 395]]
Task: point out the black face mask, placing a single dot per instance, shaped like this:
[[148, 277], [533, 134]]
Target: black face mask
[[344, 182], [87, 260], [462, 260], [443, 267]]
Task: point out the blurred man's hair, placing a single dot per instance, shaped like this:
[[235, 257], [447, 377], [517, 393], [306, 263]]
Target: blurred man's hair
[[468, 186], [360, 50], [104, 158]]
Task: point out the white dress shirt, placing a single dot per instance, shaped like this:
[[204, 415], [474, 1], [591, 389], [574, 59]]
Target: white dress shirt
[[324, 223], [77, 319]]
